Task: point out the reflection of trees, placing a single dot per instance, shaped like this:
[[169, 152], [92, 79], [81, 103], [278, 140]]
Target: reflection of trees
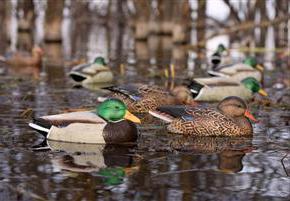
[[262, 176]]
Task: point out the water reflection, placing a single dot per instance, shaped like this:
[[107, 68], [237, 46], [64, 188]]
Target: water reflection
[[230, 151], [197, 169], [110, 162]]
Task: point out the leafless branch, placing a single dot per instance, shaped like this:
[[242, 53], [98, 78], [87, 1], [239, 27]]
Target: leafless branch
[[233, 11]]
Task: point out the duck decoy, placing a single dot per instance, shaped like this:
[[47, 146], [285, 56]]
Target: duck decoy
[[93, 72], [108, 124], [23, 60], [216, 89], [239, 71], [140, 98], [216, 57], [231, 118]]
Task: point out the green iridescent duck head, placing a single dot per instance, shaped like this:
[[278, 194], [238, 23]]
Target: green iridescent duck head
[[251, 61], [114, 110], [253, 85], [100, 61]]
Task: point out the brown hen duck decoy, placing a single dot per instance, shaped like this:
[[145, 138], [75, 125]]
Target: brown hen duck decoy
[[140, 98], [231, 118], [21, 60]]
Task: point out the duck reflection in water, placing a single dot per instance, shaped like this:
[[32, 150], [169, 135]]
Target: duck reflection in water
[[230, 150], [230, 161], [111, 162]]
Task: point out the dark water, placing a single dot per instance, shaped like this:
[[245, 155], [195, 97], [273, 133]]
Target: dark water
[[159, 166]]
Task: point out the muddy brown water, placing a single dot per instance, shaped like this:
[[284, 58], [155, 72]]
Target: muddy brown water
[[159, 166]]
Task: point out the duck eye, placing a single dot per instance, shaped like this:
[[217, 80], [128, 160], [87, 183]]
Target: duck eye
[[117, 107]]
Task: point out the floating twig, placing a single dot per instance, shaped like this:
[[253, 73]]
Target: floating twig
[[282, 162], [177, 172]]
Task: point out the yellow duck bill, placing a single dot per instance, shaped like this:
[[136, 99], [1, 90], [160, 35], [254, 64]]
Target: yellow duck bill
[[131, 117], [260, 67], [263, 92]]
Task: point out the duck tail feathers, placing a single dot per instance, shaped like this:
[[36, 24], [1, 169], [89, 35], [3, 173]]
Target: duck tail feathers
[[40, 126]]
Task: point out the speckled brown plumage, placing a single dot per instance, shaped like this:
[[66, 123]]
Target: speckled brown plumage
[[227, 120], [141, 98], [208, 122]]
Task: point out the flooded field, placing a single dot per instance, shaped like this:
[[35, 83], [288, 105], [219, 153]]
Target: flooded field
[[160, 165]]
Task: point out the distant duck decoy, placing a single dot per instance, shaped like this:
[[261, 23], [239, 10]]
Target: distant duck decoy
[[24, 60], [140, 98], [231, 118], [239, 71], [216, 89], [216, 57], [93, 72], [108, 124]]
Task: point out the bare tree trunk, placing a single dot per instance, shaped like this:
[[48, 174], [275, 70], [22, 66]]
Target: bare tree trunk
[[3, 32], [201, 21], [166, 10], [281, 29], [263, 30], [25, 41], [115, 32], [181, 18], [80, 19], [263, 12], [142, 51], [53, 20], [26, 15], [143, 13], [54, 54]]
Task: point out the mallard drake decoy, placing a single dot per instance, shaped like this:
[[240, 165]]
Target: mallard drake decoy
[[140, 98], [239, 71], [93, 72], [108, 124], [230, 119], [216, 89], [22, 60]]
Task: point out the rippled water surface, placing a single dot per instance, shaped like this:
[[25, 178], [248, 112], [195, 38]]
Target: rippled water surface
[[159, 166]]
